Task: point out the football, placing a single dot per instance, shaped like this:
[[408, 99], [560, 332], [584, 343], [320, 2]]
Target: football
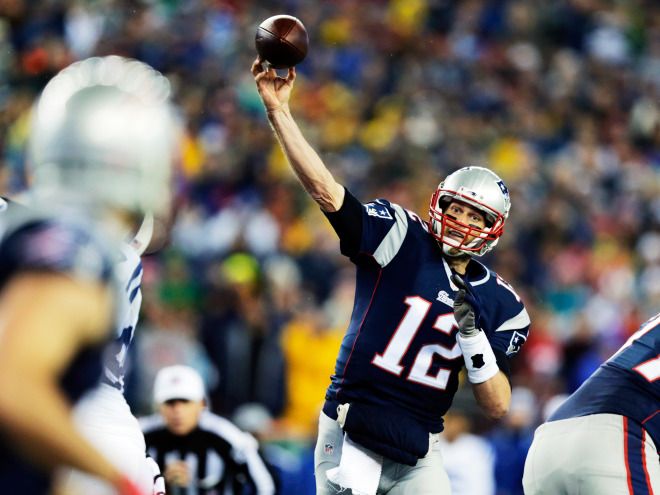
[[282, 41]]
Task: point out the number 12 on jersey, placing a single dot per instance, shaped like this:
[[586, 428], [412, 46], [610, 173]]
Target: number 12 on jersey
[[390, 359]]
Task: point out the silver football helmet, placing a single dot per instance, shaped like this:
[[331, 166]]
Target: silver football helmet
[[481, 189], [104, 134]]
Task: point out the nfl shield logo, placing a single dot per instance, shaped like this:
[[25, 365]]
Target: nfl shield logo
[[328, 448]]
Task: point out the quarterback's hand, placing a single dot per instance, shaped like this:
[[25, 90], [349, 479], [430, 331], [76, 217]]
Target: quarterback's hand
[[273, 89], [466, 307]]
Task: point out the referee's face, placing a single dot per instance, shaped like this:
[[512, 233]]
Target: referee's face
[[181, 416]]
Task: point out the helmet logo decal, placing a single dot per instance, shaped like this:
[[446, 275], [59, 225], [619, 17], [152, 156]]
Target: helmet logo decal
[[503, 187]]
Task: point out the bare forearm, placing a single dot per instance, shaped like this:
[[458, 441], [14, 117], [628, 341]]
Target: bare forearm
[[493, 395], [305, 162], [38, 420]]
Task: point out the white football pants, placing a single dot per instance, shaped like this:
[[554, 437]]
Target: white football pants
[[428, 477], [104, 418], [601, 454]]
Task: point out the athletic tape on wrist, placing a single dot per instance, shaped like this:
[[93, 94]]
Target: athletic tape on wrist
[[479, 357]]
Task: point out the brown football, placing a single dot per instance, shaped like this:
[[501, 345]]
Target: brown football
[[282, 41]]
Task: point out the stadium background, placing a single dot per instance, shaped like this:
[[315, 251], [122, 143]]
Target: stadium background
[[560, 98]]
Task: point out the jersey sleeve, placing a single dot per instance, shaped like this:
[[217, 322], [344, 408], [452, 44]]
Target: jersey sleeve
[[50, 246], [347, 222], [377, 228], [510, 321]]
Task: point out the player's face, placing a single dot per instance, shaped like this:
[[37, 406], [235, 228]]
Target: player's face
[[464, 214], [181, 416]]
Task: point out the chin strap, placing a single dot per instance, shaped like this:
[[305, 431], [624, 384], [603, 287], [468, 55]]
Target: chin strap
[[143, 236]]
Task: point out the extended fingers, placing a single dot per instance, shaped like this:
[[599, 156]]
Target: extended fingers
[[291, 75], [459, 298], [257, 68]]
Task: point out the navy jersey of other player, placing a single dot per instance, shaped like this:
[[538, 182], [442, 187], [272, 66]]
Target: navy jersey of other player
[[400, 348], [129, 274], [50, 246], [627, 384]]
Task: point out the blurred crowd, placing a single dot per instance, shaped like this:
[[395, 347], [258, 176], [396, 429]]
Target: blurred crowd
[[561, 99]]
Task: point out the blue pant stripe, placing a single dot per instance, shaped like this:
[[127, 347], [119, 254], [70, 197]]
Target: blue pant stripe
[[635, 451]]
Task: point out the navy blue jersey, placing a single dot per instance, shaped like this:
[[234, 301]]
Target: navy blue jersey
[[47, 245], [400, 349], [627, 384]]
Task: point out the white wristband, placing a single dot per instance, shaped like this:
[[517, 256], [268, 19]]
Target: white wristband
[[478, 356]]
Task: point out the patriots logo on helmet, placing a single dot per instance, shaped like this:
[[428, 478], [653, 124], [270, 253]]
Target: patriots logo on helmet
[[503, 187]]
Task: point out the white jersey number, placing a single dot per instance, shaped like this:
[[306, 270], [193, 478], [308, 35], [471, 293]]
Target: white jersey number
[[648, 369], [390, 360]]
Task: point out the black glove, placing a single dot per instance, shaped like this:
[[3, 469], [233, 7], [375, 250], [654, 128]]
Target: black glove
[[466, 307]]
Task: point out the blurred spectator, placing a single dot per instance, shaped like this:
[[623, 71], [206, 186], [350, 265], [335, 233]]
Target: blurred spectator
[[310, 342], [290, 462], [511, 440], [240, 336], [468, 458]]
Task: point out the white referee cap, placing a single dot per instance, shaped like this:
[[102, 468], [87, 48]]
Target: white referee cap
[[178, 382]]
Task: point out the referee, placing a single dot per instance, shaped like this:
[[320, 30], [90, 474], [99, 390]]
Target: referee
[[200, 453]]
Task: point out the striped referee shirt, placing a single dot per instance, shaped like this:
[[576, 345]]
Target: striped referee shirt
[[222, 459]]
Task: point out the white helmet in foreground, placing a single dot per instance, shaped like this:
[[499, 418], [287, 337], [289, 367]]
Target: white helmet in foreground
[[481, 189], [104, 134]]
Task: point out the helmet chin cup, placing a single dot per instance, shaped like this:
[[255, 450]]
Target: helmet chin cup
[[452, 252]]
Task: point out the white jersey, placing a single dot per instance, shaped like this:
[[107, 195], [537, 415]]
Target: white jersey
[[103, 416], [129, 271]]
